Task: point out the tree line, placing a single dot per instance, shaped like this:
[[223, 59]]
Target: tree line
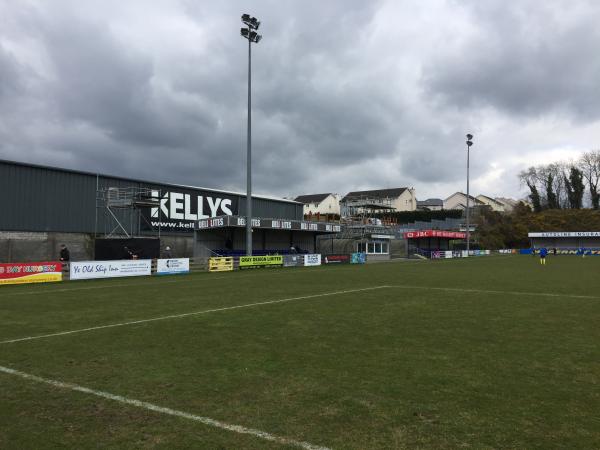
[[564, 185]]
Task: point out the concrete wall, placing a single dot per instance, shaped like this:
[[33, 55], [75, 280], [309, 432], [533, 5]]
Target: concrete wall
[[17, 246], [37, 246]]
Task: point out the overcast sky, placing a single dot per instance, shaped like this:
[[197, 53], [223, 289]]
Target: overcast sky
[[347, 94]]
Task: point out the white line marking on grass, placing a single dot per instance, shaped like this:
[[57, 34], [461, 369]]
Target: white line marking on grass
[[486, 291], [195, 313], [160, 409]]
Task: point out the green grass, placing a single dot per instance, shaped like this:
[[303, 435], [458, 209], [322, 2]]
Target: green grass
[[399, 367]]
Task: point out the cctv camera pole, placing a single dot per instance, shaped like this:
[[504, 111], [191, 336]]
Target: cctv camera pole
[[469, 143], [249, 33]]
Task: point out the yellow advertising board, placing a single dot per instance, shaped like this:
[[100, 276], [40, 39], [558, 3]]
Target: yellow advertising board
[[260, 261], [221, 264]]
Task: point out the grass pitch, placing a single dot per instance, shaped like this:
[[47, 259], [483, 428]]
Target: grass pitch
[[495, 352]]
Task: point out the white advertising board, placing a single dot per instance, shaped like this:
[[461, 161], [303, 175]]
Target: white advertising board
[[312, 260], [172, 266], [448, 254], [85, 270], [565, 234]]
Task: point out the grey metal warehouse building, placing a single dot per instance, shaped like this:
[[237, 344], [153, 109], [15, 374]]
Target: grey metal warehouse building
[[43, 207]]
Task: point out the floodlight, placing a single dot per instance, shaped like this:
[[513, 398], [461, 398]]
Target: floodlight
[[244, 32]]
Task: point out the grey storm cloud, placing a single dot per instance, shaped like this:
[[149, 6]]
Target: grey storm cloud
[[346, 94], [532, 58]]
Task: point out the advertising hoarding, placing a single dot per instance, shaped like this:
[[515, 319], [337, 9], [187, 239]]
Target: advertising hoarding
[[312, 260], [180, 208], [247, 262], [336, 259], [86, 270], [293, 260], [434, 233], [172, 266], [220, 264], [37, 272], [358, 258]]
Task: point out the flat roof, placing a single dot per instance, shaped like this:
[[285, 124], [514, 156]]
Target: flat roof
[[136, 180]]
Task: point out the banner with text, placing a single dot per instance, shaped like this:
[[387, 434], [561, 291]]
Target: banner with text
[[85, 270], [172, 266], [336, 259], [312, 260], [293, 260], [247, 262], [38, 272], [220, 264], [359, 258]]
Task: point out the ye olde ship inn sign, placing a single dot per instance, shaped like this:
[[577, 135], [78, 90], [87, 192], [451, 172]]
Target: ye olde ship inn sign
[[269, 224]]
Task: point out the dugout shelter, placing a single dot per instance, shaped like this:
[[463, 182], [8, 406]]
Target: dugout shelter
[[566, 242], [226, 236], [427, 241]]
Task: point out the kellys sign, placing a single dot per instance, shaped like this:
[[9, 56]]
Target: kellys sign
[[180, 209]]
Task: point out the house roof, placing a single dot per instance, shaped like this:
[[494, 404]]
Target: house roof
[[377, 193], [312, 198], [507, 201], [431, 202], [494, 200], [475, 201]]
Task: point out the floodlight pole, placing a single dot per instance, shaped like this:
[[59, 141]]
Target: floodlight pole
[[249, 156], [249, 33], [469, 143]]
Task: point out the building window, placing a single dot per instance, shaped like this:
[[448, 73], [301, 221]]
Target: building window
[[373, 247]]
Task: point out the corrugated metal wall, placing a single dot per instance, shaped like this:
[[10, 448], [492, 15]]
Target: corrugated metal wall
[[35, 198], [38, 199]]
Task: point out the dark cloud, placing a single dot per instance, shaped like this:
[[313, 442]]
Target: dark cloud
[[529, 59], [346, 95]]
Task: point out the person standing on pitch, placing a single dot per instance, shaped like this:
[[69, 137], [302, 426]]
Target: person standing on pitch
[[543, 253]]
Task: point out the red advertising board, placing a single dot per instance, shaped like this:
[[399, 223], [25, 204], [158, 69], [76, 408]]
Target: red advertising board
[[434, 233], [37, 272], [336, 259]]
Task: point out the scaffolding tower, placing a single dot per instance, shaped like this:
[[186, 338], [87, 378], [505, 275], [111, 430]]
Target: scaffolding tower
[[119, 211]]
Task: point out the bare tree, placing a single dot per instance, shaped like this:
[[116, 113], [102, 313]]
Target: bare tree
[[533, 180], [589, 164]]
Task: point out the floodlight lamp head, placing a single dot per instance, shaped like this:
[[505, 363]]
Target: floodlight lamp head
[[258, 38], [469, 136], [245, 18], [244, 32], [469, 143]]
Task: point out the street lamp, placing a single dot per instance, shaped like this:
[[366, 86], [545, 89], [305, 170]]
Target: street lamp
[[249, 32], [469, 143]]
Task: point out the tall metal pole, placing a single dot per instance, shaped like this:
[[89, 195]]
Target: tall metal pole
[[468, 207], [249, 157], [469, 143]]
